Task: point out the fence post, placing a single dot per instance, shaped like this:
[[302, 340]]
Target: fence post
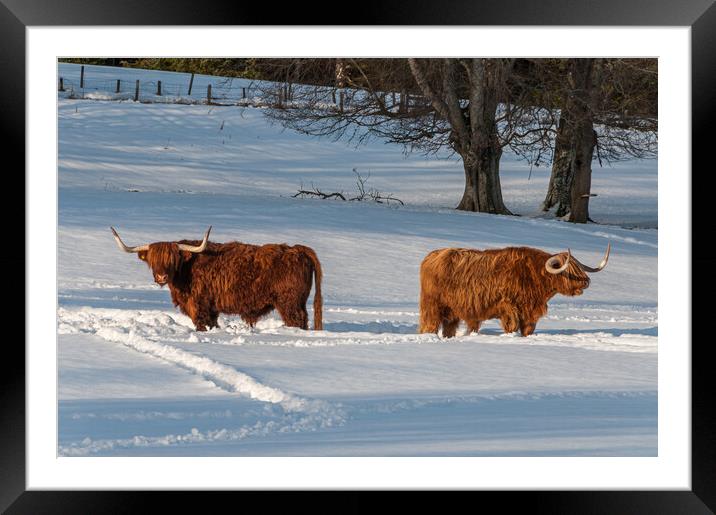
[[136, 91], [62, 84], [117, 90], [159, 87], [191, 82], [342, 97], [208, 94], [82, 76]]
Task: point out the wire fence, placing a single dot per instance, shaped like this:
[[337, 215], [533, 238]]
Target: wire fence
[[222, 92]]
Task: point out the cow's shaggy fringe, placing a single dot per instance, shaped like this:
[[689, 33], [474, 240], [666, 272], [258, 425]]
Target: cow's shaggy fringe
[[240, 279], [509, 284]]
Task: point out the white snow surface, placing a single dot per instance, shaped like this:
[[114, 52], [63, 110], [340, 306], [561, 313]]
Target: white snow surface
[[135, 378]]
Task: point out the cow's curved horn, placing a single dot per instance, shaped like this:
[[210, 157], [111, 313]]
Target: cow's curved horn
[[600, 266], [200, 248], [552, 264], [124, 247]]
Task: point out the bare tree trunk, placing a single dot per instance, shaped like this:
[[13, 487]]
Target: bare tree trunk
[[340, 83], [582, 183], [483, 192], [490, 187], [560, 181], [571, 178], [473, 128], [486, 77], [469, 201], [584, 140]]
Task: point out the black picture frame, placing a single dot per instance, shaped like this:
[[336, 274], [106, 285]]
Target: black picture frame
[[700, 15]]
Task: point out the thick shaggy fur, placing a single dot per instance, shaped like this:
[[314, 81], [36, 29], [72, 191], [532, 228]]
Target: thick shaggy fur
[[509, 284], [239, 279]]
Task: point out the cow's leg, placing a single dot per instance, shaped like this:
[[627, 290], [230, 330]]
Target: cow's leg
[[190, 309], [303, 317], [253, 316], [509, 323], [249, 320], [450, 327], [430, 315], [528, 327], [293, 316], [199, 314], [213, 318], [202, 321], [473, 326]]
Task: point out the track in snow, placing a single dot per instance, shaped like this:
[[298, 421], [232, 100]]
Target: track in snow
[[262, 412]]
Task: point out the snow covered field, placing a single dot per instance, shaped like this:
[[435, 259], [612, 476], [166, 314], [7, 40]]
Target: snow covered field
[[136, 379]]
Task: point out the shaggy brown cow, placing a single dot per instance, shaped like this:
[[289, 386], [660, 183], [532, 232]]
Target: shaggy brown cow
[[511, 284], [207, 278]]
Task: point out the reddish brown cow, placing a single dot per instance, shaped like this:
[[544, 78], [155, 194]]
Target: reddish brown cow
[[207, 278], [511, 284]]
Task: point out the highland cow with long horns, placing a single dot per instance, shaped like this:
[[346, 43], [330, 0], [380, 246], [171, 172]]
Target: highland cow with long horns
[[511, 284], [206, 279]]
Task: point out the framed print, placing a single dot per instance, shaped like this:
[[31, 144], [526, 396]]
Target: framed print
[[326, 369]]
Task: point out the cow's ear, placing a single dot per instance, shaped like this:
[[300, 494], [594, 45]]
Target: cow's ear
[[186, 255], [142, 255]]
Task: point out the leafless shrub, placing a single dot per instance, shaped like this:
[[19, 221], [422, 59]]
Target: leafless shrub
[[364, 193]]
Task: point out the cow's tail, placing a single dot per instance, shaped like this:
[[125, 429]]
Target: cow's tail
[[317, 297]]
